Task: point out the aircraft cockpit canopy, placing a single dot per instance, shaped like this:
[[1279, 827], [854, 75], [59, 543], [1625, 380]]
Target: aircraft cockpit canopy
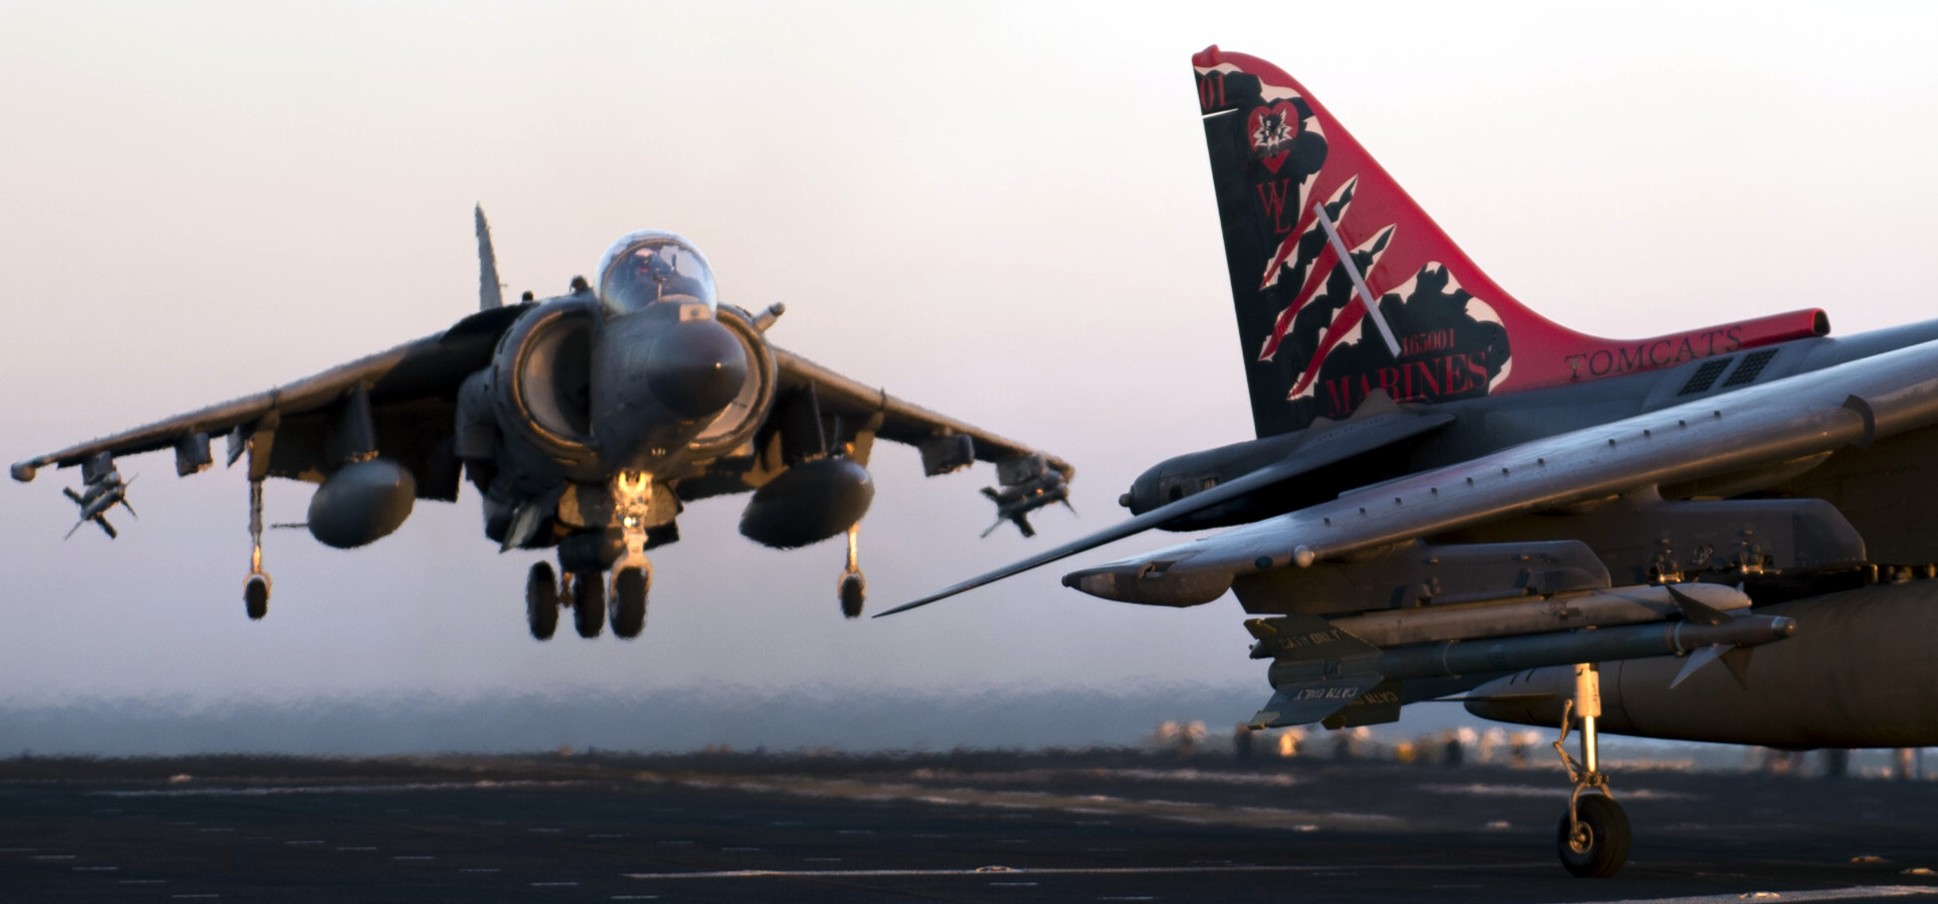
[[649, 266]]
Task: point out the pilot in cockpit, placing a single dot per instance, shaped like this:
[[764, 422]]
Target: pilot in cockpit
[[658, 268]]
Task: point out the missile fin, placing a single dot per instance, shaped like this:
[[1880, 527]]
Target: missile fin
[[1737, 660], [1375, 707], [1305, 638], [1696, 610], [1304, 702], [1696, 661]]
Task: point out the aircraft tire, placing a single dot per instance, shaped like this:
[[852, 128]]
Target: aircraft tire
[[854, 593], [542, 601], [255, 597], [1601, 847], [628, 604], [588, 604]]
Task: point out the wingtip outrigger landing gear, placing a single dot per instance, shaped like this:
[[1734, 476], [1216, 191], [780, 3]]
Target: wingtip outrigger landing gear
[[1593, 838], [853, 588], [255, 587]]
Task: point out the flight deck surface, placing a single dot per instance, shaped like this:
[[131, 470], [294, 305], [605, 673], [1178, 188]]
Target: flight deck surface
[[961, 827]]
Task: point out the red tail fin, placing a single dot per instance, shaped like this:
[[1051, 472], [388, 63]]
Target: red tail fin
[[1344, 286]]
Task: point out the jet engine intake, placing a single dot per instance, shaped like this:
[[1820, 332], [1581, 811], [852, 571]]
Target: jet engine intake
[[361, 503], [543, 378], [808, 503], [735, 425]]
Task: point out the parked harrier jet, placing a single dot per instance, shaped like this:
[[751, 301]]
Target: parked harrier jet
[[1450, 495], [587, 421]]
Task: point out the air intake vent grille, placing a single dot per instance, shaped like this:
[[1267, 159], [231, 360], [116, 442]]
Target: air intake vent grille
[[1705, 376], [1753, 364]]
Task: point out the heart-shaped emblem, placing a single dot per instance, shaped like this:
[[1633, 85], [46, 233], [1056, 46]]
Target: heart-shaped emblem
[[1271, 129]]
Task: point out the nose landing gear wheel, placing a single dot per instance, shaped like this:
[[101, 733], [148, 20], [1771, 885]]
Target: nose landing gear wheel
[[588, 604], [628, 605], [1595, 843], [542, 601], [1593, 838]]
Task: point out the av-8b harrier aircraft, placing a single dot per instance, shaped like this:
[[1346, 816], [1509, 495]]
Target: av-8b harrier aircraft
[[1451, 497], [587, 421]]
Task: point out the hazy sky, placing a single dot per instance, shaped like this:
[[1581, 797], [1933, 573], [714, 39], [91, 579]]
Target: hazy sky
[[999, 211]]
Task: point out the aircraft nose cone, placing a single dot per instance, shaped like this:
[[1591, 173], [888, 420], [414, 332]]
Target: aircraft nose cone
[[695, 368]]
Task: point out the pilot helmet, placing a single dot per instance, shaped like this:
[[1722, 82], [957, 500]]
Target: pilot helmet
[[648, 267]]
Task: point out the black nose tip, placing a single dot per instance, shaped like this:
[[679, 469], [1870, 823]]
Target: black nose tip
[[696, 368]]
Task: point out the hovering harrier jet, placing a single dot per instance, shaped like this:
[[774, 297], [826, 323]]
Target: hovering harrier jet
[[587, 421]]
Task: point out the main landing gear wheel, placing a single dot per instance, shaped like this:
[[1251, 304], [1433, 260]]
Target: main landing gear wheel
[[255, 596], [542, 601], [628, 605], [854, 592], [1594, 844], [588, 604]]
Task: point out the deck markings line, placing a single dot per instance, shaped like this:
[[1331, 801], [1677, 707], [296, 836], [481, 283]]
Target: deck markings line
[[1823, 894], [986, 872]]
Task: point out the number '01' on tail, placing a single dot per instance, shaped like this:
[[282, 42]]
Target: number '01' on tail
[[1344, 287]]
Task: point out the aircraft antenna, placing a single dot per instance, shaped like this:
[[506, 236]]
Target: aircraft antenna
[[1352, 270]]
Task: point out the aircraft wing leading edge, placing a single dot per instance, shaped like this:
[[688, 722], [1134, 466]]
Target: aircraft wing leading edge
[[902, 421], [425, 370]]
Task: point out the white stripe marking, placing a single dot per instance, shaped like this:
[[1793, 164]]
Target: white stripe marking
[[1855, 892]]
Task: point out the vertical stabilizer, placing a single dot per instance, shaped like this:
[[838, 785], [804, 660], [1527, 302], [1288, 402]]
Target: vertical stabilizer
[[1345, 288], [490, 293]]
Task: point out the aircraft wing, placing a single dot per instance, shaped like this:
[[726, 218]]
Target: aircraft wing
[[902, 421], [1851, 404], [412, 391]]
